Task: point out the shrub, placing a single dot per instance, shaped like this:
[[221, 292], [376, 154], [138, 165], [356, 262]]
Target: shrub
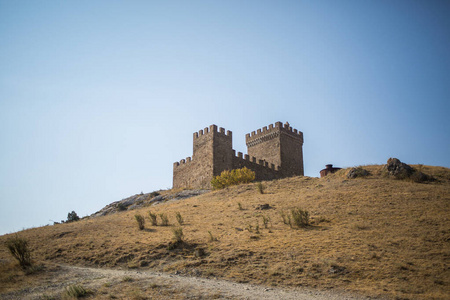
[[153, 218], [76, 291], [257, 227], [199, 252], [18, 247], [154, 194], [179, 218], [260, 187], [34, 269], [164, 219], [211, 237], [177, 235], [286, 218], [420, 177], [266, 221], [140, 221], [121, 207], [233, 177], [300, 217], [240, 206], [72, 217]]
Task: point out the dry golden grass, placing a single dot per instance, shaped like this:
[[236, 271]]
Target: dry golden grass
[[374, 236]]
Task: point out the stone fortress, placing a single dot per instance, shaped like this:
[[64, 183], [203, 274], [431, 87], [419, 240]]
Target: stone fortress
[[273, 152]]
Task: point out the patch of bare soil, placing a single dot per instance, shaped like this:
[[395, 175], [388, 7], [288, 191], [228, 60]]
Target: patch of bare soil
[[134, 284]]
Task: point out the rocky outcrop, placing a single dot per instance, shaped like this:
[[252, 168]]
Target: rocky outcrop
[[396, 168], [357, 172], [142, 200], [399, 170]]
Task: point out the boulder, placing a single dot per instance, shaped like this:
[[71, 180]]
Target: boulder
[[396, 168], [357, 172]]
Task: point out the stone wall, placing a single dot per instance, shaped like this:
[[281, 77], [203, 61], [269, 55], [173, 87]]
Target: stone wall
[[263, 170], [273, 152]]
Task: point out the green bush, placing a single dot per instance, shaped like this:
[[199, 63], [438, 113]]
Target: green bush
[[177, 234], [121, 207], [72, 217], [266, 221], [260, 187], [233, 177], [140, 221], [257, 227], [18, 247], [300, 217], [164, 219], [153, 218], [420, 177], [76, 291], [212, 238], [286, 218], [179, 218]]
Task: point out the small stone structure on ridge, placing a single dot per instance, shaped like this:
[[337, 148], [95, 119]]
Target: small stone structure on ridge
[[329, 169], [273, 152]]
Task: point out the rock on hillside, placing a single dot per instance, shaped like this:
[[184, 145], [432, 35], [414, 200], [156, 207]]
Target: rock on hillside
[[400, 170], [142, 200], [397, 168]]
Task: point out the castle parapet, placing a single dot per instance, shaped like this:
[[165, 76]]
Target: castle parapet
[[182, 162], [273, 131], [212, 129], [263, 169], [253, 160]]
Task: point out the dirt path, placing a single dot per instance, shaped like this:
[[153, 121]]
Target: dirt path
[[135, 284]]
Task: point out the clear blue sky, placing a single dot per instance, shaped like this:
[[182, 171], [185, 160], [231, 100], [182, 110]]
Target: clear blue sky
[[99, 98]]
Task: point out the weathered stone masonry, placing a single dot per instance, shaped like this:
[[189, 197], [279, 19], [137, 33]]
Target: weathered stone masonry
[[273, 152]]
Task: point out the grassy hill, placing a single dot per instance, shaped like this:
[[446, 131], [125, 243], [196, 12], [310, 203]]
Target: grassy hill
[[375, 236]]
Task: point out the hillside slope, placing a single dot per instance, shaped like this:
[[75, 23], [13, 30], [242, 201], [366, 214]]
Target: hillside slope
[[375, 236]]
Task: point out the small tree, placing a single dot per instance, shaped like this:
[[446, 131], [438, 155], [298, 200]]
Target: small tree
[[72, 216], [18, 247]]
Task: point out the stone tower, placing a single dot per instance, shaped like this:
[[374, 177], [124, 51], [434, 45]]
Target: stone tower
[[212, 154], [279, 145]]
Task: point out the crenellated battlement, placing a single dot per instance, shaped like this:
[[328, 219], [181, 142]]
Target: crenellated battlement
[[182, 162], [274, 151], [254, 160], [273, 131], [211, 130]]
